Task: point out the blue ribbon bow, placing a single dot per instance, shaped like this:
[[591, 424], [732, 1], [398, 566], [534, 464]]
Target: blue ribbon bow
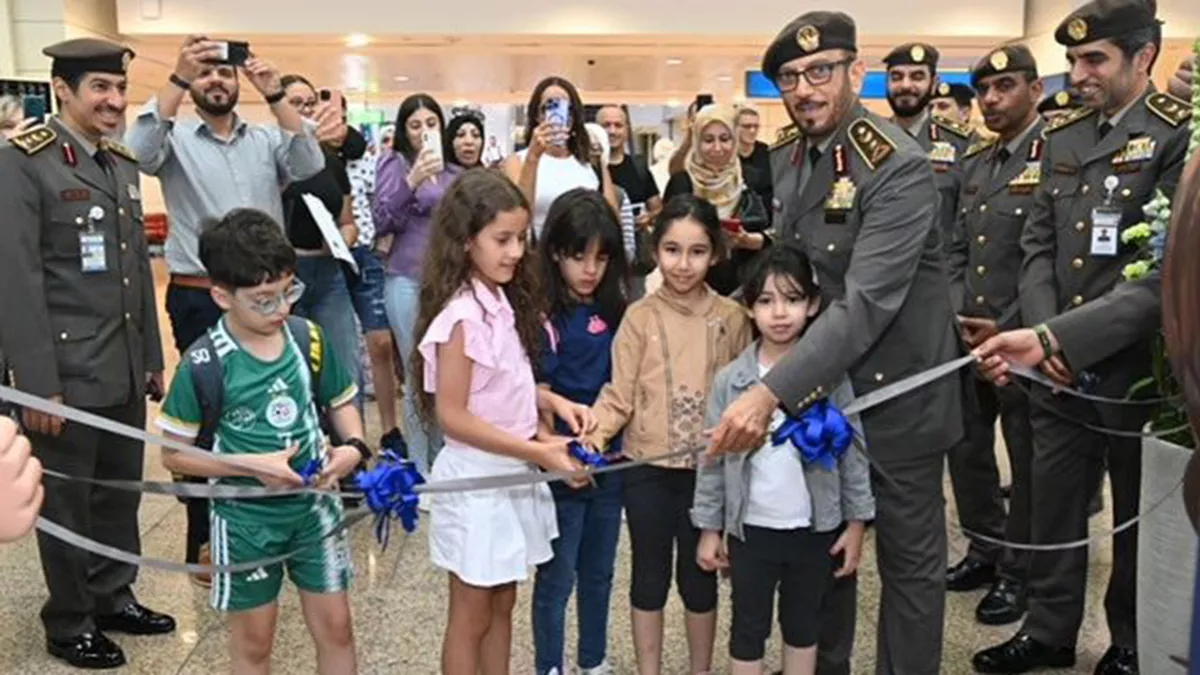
[[311, 471], [821, 434], [586, 457], [390, 491]]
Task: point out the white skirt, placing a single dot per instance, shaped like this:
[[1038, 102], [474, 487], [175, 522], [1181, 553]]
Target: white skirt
[[489, 537]]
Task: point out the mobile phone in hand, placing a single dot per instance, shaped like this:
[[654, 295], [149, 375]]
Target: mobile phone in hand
[[703, 100], [234, 52], [558, 114], [34, 107], [732, 225]]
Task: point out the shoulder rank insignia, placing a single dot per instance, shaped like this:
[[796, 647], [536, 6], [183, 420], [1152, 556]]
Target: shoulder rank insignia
[[1172, 110], [954, 127], [118, 149], [870, 143], [1064, 121], [785, 136], [979, 146], [33, 141]]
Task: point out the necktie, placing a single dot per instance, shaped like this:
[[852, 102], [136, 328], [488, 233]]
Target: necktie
[[814, 155], [1104, 128], [1002, 157]]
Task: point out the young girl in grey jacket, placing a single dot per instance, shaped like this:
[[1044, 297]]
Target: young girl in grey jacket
[[781, 516]]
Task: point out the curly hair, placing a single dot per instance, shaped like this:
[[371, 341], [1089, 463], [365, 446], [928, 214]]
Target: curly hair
[[469, 205]]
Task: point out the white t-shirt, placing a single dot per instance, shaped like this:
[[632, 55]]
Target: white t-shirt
[[779, 498], [557, 175]]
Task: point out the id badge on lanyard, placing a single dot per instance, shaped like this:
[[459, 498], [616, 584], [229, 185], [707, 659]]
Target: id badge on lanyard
[[93, 257], [1106, 227]]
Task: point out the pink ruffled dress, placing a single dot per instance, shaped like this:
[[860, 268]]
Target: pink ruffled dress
[[488, 537]]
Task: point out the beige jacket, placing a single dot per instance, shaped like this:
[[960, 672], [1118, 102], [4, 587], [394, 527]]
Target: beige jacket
[[665, 357]]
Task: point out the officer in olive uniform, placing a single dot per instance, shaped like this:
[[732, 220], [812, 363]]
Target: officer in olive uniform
[[1000, 176], [943, 139], [81, 326], [860, 197], [1099, 167], [953, 101]]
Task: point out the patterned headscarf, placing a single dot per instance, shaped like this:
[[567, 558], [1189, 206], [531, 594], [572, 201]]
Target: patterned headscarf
[[720, 186]]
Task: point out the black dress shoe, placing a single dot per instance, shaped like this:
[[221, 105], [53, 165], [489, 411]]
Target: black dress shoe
[[970, 575], [91, 651], [1003, 604], [1118, 661], [1022, 654], [135, 619]]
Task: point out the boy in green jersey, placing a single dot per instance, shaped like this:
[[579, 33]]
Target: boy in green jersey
[[269, 418]]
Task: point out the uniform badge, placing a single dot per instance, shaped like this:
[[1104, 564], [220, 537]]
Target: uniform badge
[[917, 53], [841, 195], [1063, 97], [942, 152], [808, 38], [282, 412], [33, 140], [75, 195], [999, 59], [943, 89], [1026, 181], [1136, 151], [134, 194], [870, 143], [776, 205], [69, 156], [1077, 29]]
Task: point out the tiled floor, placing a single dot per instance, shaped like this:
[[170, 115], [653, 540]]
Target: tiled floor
[[399, 609]]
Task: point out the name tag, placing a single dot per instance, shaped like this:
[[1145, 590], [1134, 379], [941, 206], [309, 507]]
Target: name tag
[[92, 257], [1106, 223]]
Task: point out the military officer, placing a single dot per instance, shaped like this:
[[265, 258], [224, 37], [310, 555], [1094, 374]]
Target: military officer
[[999, 179], [953, 102], [76, 277], [912, 83], [1099, 167], [859, 195]]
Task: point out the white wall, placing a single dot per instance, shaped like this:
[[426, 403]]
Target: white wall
[[708, 17]]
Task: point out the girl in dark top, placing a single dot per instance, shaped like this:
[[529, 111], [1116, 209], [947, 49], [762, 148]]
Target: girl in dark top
[[463, 142], [713, 172], [326, 298], [584, 271]]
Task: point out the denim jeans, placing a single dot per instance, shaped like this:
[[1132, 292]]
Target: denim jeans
[[589, 525], [326, 301], [402, 298]]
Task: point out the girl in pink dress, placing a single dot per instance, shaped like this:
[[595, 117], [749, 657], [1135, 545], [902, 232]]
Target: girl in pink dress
[[480, 320]]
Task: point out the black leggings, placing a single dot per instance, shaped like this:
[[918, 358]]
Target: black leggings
[[657, 505]]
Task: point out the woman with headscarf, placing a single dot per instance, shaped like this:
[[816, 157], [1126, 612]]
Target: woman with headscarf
[[713, 172], [463, 142]]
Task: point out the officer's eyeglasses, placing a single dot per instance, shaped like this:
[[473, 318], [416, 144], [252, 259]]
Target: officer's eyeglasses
[[270, 306], [817, 75]]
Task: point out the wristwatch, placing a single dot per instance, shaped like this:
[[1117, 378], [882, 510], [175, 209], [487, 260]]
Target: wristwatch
[[361, 447], [274, 98]]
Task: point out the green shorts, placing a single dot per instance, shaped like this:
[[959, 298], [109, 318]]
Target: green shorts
[[319, 566]]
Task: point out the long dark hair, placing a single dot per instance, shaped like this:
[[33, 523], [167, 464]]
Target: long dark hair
[[470, 204], [576, 219], [410, 105], [579, 143], [688, 205], [452, 131], [784, 260]]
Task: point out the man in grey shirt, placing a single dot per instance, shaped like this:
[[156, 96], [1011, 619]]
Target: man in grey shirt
[[209, 166]]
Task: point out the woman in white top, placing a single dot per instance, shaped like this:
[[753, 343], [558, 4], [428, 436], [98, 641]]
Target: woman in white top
[[558, 155]]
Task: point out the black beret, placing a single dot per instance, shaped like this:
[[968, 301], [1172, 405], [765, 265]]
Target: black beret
[[88, 55], [1061, 100], [1101, 19], [961, 93], [1005, 59], [913, 54], [808, 34]]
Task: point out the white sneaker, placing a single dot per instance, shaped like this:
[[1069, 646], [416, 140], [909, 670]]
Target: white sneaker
[[602, 669]]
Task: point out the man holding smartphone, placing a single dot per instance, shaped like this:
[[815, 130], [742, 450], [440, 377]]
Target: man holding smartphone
[[211, 165]]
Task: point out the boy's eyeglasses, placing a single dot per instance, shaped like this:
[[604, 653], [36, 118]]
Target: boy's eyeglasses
[[272, 305], [817, 75]]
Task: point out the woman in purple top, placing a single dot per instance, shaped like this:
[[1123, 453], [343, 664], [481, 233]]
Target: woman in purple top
[[409, 182]]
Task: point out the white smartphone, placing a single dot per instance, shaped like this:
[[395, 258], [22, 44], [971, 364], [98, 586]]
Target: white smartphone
[[432, 140]]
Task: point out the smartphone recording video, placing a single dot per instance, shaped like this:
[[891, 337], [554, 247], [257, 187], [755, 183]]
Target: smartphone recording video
[[34, 107], [558, 114], [703, 100], [234, 53]]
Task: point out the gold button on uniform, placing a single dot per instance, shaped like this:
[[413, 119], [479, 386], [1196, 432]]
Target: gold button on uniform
[[1077, 300], [1054, 192], [1080, 226], [982, 208], [125, 281], [1126, 193], [831, 248], [120, 210], [879, 377], [1084, 189], [1077, 263], [1020, 212], [128, 316], [63, 337], [979, 299], [981, 270], [124, 246], [981, 239]]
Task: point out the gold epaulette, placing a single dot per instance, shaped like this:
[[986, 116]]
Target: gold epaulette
[[1172, 110], [953, 126], [979, 146], [871, 143], [118, 149], [1070, 118], [33, 141], [785, 136]]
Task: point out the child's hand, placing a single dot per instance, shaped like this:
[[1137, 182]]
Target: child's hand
[[342, 461], [556, 458], [849, 544], [711, 554], [578, 417], [275, 469]]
